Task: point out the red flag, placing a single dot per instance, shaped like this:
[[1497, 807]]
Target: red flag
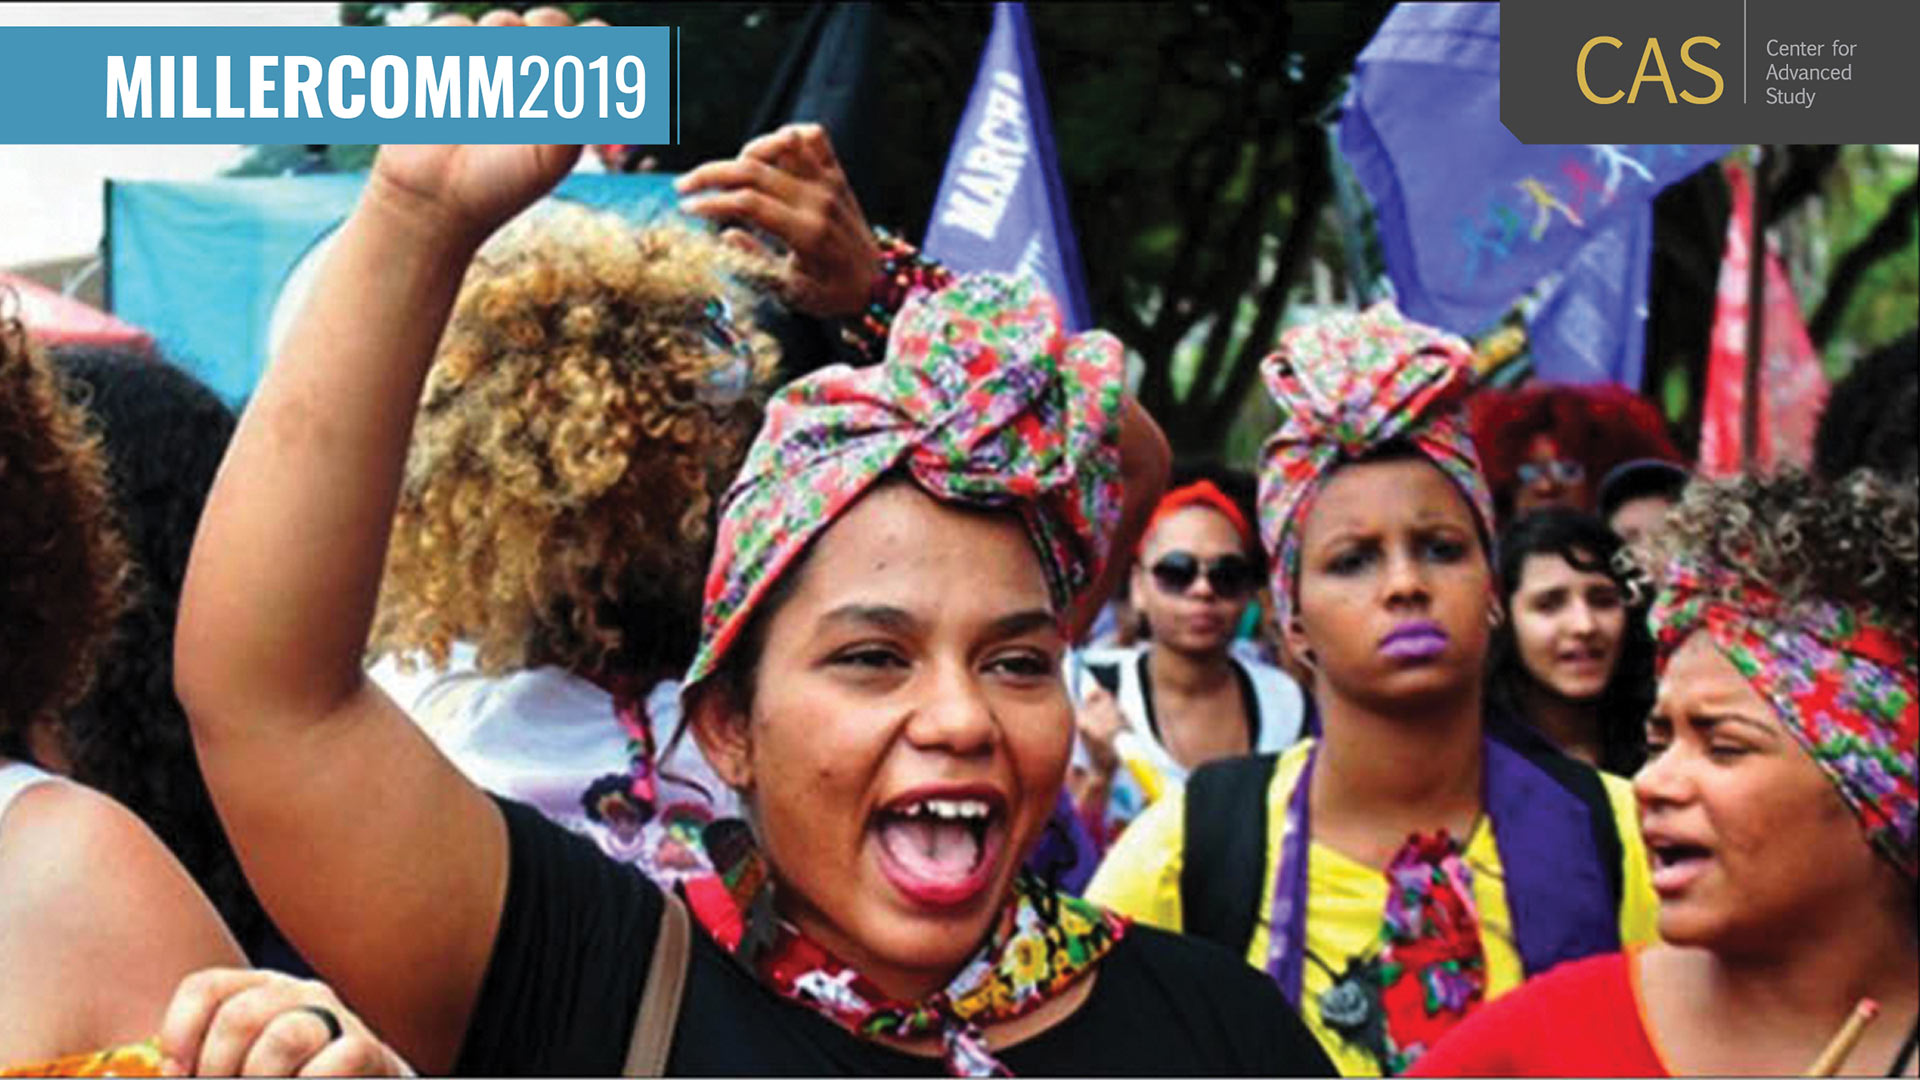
[[53, 319], [1793, 387]]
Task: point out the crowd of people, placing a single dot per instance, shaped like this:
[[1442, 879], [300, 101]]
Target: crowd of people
[[528, 682]]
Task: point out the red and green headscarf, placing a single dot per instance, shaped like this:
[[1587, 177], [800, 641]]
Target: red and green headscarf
[[1840, 678], [1346, 385], [982, 400]]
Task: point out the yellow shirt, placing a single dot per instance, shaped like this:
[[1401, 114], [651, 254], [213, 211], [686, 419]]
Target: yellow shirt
[[1346, 901]]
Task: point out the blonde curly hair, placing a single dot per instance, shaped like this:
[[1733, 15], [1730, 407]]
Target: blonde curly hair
[[1852, 542], [592, 397], [63, 563]]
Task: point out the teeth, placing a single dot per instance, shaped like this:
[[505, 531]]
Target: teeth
[[947, 809]]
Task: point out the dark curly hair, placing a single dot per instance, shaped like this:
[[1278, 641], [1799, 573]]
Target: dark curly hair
[[165, 434], [1853, 541], [1870, 421], [61, 562], [1588, 546], [1599, 426]]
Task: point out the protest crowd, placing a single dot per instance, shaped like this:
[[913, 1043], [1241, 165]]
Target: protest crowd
[[529, 681]]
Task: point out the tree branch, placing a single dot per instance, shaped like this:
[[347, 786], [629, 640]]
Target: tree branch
[[1311, 188], [1887, 236]]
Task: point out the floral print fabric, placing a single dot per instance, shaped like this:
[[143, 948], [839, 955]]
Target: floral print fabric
[[1042, 943], [1347, 384], [1840, 679], [982, 400], [135, 1059], [1432, 969]]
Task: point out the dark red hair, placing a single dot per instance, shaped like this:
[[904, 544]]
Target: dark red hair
[[1599, 426]]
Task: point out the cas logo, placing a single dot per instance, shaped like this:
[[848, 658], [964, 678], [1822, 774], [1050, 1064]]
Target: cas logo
[[1653, 69]]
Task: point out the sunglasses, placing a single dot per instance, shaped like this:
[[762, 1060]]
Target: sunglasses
[[1230, 576], [1562, 472]]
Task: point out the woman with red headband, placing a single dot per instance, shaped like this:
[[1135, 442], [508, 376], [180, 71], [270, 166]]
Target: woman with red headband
[[1151, 715], [1421, 856], [1778, 804], [897, 568]]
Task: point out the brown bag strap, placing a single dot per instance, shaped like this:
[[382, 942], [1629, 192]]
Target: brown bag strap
[[660, 1001]]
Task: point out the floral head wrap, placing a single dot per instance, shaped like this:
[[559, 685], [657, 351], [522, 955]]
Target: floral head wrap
[[982, 400], [1347, 384], [1842, 681]]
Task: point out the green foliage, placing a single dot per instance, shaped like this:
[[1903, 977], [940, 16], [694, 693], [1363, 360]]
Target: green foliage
[[1881, 306], [1192, 141], [1188, 138]]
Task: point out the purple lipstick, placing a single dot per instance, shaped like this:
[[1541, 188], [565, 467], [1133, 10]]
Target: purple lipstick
[[1416, 641]]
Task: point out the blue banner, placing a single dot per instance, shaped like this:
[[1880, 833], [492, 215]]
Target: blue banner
[[1470, 219], [117, 85], [216, 269], [1001, 204], [1593, 326]]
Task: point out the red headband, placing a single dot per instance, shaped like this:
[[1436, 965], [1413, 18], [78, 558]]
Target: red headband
[[1199, 493]]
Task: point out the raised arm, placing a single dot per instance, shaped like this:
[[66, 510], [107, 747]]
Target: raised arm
[[384, 867]]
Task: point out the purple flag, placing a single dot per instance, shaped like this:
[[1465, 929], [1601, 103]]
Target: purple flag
[[1001, 205], [1592, 326], [1471, 219]]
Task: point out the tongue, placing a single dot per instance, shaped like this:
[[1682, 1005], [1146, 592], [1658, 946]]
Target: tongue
[[936, 850]]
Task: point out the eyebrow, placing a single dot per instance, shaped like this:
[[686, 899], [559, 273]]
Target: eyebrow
[[1713, 713], [1713, 717], [1023, 622], [899, 620], [883, 616]]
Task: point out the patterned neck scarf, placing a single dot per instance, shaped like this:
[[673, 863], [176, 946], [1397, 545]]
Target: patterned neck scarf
[[1347, 384], [1426, 969], [1840, 680], [982, 400], [1041, 943]]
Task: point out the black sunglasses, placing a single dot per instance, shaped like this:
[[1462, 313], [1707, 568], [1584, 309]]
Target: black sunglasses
[[1230, 576]]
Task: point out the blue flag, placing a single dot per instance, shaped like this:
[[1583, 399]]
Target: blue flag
[[1471, 219], [1001, 204], [1592, 326], [216, 269]]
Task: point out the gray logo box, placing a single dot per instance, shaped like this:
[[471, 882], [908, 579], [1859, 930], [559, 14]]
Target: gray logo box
[[1790, 71]]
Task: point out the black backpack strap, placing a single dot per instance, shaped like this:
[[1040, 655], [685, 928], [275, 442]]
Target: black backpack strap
[[1107, 675], [1225, 844], [1581, 780]]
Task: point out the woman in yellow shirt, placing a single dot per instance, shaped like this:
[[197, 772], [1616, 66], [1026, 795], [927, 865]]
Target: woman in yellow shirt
[[1422, 857]]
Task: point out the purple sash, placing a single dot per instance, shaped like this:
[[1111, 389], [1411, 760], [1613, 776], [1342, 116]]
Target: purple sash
[[1557, 889]]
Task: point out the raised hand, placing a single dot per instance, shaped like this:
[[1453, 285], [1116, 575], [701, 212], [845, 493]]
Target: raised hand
[[471, 190], [477, 188], [1100, 723], [789, 184]]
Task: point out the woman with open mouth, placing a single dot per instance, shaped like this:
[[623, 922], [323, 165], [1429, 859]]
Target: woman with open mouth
[[1778, 804], [1417, 859], [1572, 659], [897, 568]]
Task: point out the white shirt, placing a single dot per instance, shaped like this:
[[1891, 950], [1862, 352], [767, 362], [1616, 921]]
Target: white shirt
[[1148, 768], [16, 777], [545, 737]]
